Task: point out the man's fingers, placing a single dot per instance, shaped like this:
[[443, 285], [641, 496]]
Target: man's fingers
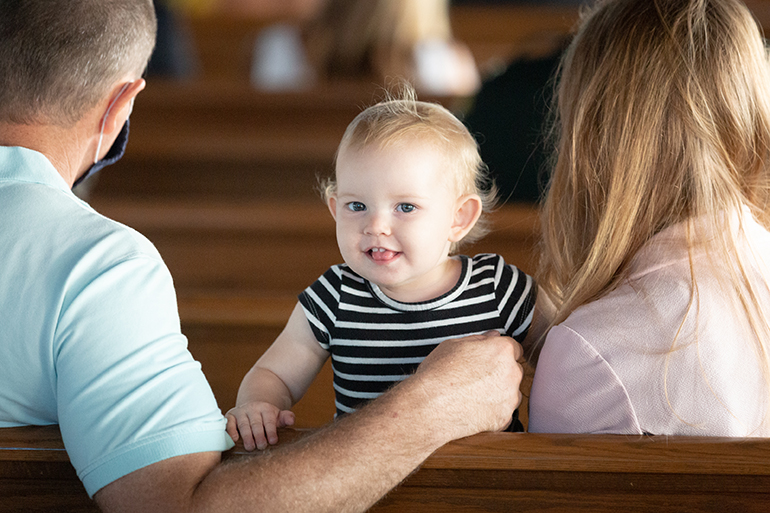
[[244, 426], [231, 427]]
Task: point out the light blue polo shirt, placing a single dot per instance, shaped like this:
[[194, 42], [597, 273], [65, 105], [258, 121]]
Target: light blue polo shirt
[[89, 332]]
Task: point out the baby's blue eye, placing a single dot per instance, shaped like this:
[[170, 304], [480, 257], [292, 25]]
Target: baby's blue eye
[[405, 207], [356, 206]]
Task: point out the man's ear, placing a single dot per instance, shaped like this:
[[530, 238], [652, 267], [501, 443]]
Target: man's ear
[[332, 204], [467, 212], [119, 105]]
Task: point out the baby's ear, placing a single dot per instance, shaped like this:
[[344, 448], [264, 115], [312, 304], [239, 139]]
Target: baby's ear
[[331, 202], [467, 212]]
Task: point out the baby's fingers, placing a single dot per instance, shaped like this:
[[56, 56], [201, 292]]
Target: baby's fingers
[[271, 430], [286, 418], [272, 422], [248, 435]]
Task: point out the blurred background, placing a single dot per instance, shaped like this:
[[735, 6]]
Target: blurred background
[[245, 104]]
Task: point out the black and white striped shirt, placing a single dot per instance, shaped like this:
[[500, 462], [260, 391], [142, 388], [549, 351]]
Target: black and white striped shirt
[[376, 341]]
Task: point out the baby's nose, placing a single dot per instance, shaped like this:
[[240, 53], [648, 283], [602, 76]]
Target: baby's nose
[[377, 224]]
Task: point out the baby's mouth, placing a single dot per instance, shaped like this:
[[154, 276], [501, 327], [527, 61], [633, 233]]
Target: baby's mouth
[[382, 254]]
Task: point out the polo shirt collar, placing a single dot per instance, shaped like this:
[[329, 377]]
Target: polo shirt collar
[[24, 165]]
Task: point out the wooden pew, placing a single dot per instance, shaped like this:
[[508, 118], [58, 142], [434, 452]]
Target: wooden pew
[[494, 33], [485, 472], [227, 333], [275, 246], [226, 140]]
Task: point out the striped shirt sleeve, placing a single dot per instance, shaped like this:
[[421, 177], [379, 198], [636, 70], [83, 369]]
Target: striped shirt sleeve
[[320, 302]]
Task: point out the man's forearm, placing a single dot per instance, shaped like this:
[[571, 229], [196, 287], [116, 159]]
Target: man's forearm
[[463, 387], [345, 467]]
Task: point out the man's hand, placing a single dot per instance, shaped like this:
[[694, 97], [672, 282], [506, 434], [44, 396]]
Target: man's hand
[[474, 382]]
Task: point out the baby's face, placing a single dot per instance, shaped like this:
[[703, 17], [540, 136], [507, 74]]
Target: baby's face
[[395, 211]]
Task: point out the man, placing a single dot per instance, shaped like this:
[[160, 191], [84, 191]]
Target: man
[[90, 335]]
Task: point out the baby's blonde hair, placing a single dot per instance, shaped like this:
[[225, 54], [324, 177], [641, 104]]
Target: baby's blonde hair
[[404, 118]]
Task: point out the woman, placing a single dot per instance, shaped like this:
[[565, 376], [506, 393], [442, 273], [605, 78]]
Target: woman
[[655, 225]]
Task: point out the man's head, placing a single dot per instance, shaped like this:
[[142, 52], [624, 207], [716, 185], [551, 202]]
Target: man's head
[[59, 58]]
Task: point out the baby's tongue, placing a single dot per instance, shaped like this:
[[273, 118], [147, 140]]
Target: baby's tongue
[[383, 255]]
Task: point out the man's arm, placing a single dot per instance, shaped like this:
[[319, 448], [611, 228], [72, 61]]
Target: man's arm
[[464, 387]]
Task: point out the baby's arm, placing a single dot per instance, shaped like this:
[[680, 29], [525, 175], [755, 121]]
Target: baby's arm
[[275, 383]]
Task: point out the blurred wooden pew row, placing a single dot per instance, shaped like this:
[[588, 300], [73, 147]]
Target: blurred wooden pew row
[[494, 34], [274, 246], [485, 472], [219, 139], [207, 139]]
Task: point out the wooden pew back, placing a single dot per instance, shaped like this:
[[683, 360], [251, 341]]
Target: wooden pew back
[[225, 42], [276, 246], [485, 472]]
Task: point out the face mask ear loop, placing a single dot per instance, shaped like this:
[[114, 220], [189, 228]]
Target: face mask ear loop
[[104, 120]]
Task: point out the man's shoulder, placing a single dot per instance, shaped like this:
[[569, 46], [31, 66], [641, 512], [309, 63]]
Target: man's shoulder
[[115, 236], [40, 216]]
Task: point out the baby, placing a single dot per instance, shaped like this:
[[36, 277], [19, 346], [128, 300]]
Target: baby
[[409, 187]]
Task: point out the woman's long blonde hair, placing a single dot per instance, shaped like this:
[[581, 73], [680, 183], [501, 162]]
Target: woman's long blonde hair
[[662, 115]]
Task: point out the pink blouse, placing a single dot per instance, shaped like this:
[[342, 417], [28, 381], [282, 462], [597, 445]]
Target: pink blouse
[[616, 365]]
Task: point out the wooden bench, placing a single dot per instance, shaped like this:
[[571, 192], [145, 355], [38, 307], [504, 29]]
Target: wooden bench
[[275, 246], [224, 41], [226, 140], [482, 473]]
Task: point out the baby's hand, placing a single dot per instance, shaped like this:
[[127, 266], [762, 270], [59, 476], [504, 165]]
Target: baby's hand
[[257, 423]]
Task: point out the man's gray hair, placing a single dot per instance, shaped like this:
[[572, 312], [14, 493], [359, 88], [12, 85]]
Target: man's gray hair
[[58, 58]]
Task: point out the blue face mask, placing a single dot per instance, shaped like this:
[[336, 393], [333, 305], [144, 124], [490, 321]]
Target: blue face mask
[[118, 147], [116, 151]]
